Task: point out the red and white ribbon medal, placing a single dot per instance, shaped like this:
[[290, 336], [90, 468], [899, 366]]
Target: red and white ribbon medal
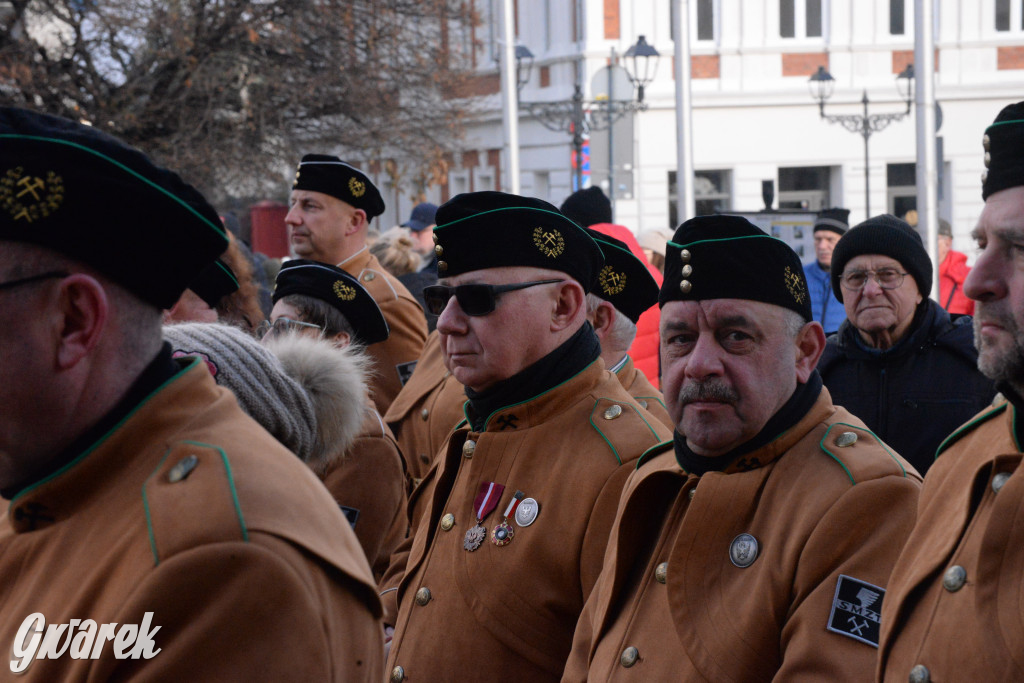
[[504, 532], [486, 500]]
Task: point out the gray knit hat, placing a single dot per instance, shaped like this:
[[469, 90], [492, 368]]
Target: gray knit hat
[[256, 377]]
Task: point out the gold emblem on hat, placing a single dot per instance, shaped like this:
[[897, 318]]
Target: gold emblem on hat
[[795, 286], [550, 242], [356, 187], [344, 292], [30, 197], [612, 283]]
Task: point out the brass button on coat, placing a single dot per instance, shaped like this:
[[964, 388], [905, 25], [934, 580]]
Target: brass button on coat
[[999, 480], [954, 578], [986, 142], [469, 448], [988, 159], [423, 596], [687, 271], [685, 286], [613, 412], [643, 403], [846, 439], [424, 414], [442, 266], [629, 657], [684, 255], [369, 276], [691, 493], [184, 468], [744, 550], [439, 250], [661, 573], [397, 675], [447, 522], [920, 674]]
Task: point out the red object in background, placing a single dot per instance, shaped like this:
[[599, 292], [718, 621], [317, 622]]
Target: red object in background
[[644, 351], [269, 235]]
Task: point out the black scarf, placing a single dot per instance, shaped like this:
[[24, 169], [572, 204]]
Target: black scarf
[[160, 369], [579, 351], [788, 415]]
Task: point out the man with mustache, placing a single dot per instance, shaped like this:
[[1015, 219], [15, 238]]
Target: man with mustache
[[954, 607], [757, 545]]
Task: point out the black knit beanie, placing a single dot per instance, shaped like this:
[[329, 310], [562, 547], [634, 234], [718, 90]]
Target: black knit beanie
[[587, 207], [888, 236]]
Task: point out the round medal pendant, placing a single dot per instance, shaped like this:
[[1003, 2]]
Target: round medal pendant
[[502, 534], [474, 537]]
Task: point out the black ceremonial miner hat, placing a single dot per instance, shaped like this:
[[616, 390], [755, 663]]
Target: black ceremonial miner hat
[[337, 288], [480, 230], [215, 282], [330, 175], [624, 280], [86, 194], [1004, 151], [728, 257]]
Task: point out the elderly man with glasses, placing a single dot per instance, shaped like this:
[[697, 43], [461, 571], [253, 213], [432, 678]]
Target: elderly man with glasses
[[899, 362], [517, 509]]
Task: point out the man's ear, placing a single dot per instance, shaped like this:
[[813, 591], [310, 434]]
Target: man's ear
[[83, 309], [569, 302], [810, 344], [604, 317], [357, 219]]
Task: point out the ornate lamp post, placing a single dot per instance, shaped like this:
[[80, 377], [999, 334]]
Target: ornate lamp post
[[821, 85], [573, 115]]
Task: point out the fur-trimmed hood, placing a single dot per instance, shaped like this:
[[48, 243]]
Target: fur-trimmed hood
[[335, 380]]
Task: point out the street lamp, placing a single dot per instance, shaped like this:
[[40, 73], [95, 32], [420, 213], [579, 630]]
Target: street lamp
[[821, 85], [523, 56], [571, 115]]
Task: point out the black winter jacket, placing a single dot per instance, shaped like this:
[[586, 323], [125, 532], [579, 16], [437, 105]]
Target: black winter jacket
[[918, 392]]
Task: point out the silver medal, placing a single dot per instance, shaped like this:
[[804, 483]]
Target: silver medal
[[526, 513]]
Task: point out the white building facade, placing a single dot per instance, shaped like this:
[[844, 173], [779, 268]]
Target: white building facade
[[754, 119]]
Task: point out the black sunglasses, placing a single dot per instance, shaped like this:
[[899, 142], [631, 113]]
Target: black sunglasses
[[474, 300]]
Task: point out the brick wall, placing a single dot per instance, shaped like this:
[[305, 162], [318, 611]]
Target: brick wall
[[611, 19], [900, 59], [1010, 58], [703, 66], [803, 63]]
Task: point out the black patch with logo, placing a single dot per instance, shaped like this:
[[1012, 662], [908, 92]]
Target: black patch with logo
[[351, 514], [405, 371], [857, 610]]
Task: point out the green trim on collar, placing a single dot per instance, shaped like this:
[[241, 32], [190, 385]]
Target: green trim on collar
[[138, 176], [984, 417], [658, 447], [487, 422], [111, 431], [145, 507]]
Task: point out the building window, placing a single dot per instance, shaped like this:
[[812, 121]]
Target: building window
[[706, 10], [804, 187], [901, 185], [712, 193], [897, 17], [1010, 15], [801, 18]]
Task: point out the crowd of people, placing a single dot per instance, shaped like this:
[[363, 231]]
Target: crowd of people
[[504, 440]]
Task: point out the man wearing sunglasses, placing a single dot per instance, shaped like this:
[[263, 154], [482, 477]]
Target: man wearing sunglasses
[[140, 500], [332, 204], [516, 511]]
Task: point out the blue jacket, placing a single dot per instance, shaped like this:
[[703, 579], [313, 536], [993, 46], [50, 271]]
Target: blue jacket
[[825, 307]]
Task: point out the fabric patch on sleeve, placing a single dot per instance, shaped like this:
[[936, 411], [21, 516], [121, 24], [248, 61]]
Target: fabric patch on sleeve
[[857, 610]]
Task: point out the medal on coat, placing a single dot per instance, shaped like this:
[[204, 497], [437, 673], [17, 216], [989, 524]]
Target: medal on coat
[[503, 533], [486, 500]]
